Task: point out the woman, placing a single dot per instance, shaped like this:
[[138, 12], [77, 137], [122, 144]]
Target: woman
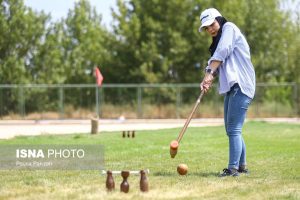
[[230, 61]]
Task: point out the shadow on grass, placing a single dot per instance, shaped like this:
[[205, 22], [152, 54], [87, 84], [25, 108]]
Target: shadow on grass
[[163, 174], [205, 174], [200, 174]]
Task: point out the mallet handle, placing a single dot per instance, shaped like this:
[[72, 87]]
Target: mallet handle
[[190, 117]]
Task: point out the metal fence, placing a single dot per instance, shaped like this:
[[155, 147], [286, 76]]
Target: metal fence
[[81, 101]]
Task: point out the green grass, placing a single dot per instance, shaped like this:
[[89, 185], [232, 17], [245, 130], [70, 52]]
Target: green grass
[[273, 158]]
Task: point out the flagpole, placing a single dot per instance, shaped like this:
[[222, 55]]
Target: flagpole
[[99, 79], [97, 101]]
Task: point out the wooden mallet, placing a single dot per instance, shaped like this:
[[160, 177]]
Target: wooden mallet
[[175, 143]]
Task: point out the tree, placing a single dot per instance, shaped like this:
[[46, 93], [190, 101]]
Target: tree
[[21, 30], [48, 65], [159, 41], [84, 43]]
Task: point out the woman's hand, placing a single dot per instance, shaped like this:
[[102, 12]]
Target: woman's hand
[[206, 82], [208, 78]]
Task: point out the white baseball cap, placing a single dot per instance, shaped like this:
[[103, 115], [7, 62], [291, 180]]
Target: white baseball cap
[[208, 16]]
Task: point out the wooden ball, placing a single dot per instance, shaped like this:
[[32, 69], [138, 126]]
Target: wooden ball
[[182, 169]]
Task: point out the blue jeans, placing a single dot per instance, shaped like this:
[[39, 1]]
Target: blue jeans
[[235, 108]]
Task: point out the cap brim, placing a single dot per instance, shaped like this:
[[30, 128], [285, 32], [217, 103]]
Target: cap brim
[[207, 23]]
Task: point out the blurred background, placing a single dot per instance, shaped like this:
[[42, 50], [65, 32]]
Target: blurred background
[[150, 53]]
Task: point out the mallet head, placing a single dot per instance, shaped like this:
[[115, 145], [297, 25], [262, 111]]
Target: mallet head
[[173, 148]]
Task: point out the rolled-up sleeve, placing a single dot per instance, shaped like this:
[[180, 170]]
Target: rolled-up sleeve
[[225, 46]]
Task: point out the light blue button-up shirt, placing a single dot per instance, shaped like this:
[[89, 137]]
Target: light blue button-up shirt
[[234, 52]]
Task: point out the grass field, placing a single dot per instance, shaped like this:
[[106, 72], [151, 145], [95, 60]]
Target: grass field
[[273, 158]]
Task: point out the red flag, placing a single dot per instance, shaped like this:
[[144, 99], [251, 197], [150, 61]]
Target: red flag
[[99, 77]]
